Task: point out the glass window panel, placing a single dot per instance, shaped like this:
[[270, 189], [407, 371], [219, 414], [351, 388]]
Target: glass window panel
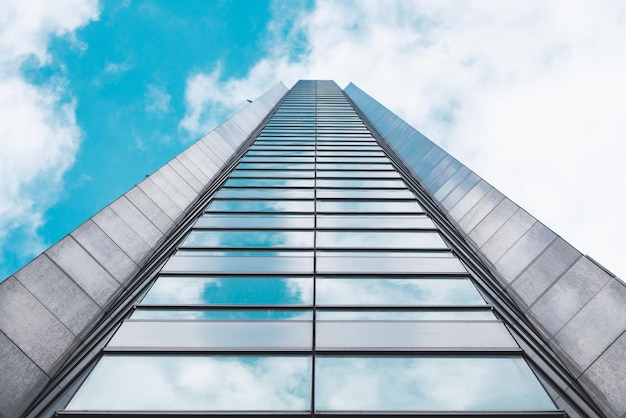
[[250, 238], [352, 183], [196, 382], [212, 335], [253, 152], [405, 315], [358, 174], [203, 290], [353, 160], [413, 335], [261, 206], [387, 239], [365, 263], [364, 194], [427, 383], [285, 159], [225, 314], [240, 264], [424, 291], [276, 166], [262, 182], [255, 221], [374, 222], [346, 166], [266, 174], [271, 193], [354, 152], [364, 206]]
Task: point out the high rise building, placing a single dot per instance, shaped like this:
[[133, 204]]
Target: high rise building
[[313, 255]]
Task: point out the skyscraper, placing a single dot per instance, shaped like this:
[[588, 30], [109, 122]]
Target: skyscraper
[[313, 255]]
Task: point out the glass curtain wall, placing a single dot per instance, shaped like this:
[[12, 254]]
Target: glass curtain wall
[[313, 283]]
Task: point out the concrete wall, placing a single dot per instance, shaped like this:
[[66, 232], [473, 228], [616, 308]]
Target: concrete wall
[[50, 305], [578, 307]]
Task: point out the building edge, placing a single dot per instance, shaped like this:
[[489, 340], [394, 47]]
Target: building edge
[[50, 306], [575, 304]]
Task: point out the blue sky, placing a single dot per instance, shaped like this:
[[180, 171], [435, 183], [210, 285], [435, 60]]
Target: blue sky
[[95, 95]]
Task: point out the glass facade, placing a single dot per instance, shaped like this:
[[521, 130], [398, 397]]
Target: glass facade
[[314, 282]]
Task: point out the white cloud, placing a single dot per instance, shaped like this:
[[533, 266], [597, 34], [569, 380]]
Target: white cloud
[[39, 137], [528, 94]]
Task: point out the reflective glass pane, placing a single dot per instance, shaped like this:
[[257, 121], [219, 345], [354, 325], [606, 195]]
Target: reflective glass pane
[[400, 291], [404, 315], [196, 382], [414, 383], [261, 206], [199, 290], [232, 335], [270, 193], [374, 222], [274, 159], [364, 206], [352, 183], [224, 314], [358, 174], [374, 240], [251, 239], [269, 183], [254, 221], [272, 174], [276, 166], [352, 160], [339, 166], [365, 335], [364, 194]]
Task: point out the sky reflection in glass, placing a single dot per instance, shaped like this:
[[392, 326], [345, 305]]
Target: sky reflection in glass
[[250, 239], [224, 314], [198, 290], [417, 315], [400, 291], [427, 384], [196, 382], [261, 206]]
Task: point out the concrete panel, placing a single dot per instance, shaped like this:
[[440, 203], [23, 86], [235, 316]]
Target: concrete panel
[[162, 200], [59, 294], [121, 234], [440, 173], [568, 295], [604, 380], [137, 221], [178, 182], [493, 222], [424, 167], [84, 270], [505, 237], [451, 185], [171, 190], [480, 210], [150, 209], [182, 171], [193, 168], [30, 326], [102, 248], [20, 380], [524, 251], [596, 326], [469, 199], [544, 271], [202, 161], [215, 150]]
